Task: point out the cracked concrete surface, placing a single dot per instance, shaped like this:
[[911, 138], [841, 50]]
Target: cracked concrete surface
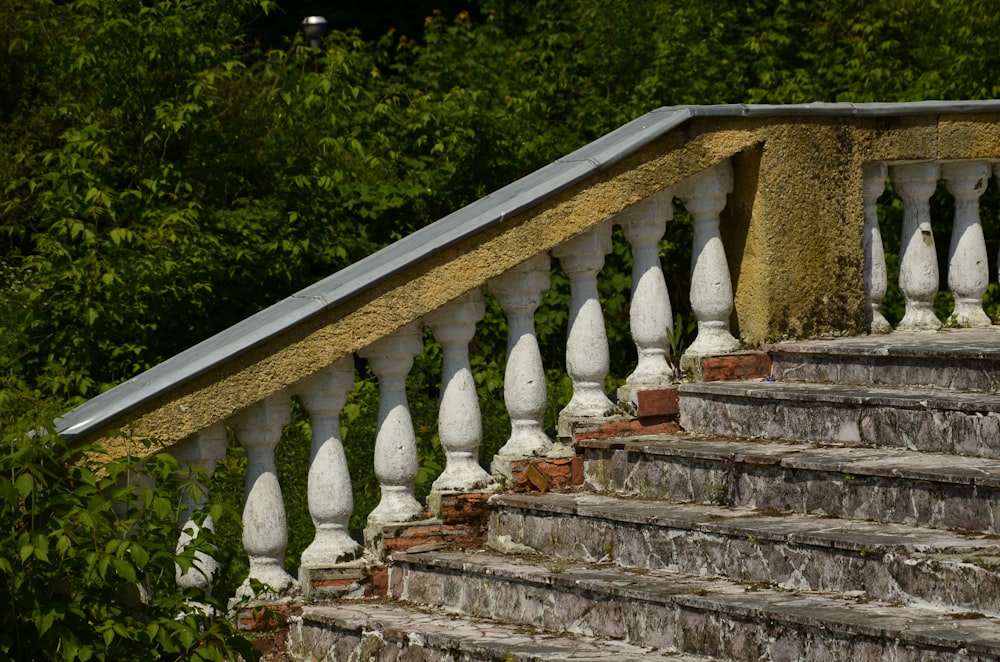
[[707, 616], [883, 485], [882, 561], [360, 632]]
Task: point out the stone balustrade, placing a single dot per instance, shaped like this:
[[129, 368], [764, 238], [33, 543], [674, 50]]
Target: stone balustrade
[[453, 325], [786, 243], [587, 354], [919, 272]]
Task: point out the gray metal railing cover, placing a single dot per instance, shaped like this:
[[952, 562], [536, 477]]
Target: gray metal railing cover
[[99, 412]]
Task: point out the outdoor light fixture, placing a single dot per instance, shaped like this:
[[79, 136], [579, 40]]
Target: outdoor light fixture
[[314, 27]]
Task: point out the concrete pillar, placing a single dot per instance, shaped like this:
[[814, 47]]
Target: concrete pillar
[[460, 422], [519, 292], [265, 531], [331, 502], [650, 315], [918, 267], [968, 265], [587, 355], [396, 460]]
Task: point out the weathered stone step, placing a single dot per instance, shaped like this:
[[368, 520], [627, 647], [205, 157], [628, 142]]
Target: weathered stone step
[[883, 485], [883, 561], [919, 419], [714, 617], [384, 631], [958, 359]]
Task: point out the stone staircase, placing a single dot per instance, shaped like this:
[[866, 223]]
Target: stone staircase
[[847, 508]]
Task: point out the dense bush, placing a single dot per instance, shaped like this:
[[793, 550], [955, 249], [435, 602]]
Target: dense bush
[[164, 177], [89, 554]]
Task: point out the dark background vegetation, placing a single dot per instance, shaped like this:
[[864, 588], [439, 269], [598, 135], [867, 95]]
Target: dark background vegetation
[[169, 167]]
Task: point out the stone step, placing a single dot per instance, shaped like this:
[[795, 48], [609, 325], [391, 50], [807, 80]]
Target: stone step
[[657, 608], [391, 632], [957, 359], [890, 562], [919, 419], [883, 485]]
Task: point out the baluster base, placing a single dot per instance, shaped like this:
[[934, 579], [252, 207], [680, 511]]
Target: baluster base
[[712, 338], [969, 315], [331, 547], [589, 401], [651, 370], [919, 317], [877, 323], [397, 505], [526, 440], [462, 473], [277, 582]]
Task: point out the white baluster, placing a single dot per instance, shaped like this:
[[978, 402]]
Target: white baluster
[[265, 531], [918, 267], [200, 452], [704, 196], [329, 488], [460, 423], [968, 267], [519, 292], [875, 274], [650, 315], [396, 460], [587, 356], [997, 175]]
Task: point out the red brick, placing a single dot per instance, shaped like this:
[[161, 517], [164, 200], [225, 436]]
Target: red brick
[[560, 471], [645, 425], [612, 429], [464, 508], [538, 479], [656, 425], [658, 402], [437, 535], [380, 583], [735, 366], [268, 617]]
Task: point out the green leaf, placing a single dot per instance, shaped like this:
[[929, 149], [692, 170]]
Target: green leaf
[[24, 484], [41, 547], [125, 570], [139, 555], [44, 621]]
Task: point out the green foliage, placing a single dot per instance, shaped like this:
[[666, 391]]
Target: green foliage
[[163, 178], [88, 559]]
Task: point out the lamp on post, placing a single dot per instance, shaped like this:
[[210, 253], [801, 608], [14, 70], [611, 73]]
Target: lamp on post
[[314, 27]]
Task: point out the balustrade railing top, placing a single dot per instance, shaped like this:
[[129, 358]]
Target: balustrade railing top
[[793, 229]]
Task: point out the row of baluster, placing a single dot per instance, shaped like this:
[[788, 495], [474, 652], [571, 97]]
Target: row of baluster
[[519, 292], [919, 278]]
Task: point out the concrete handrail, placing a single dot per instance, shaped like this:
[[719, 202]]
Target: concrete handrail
[[278, 346]]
